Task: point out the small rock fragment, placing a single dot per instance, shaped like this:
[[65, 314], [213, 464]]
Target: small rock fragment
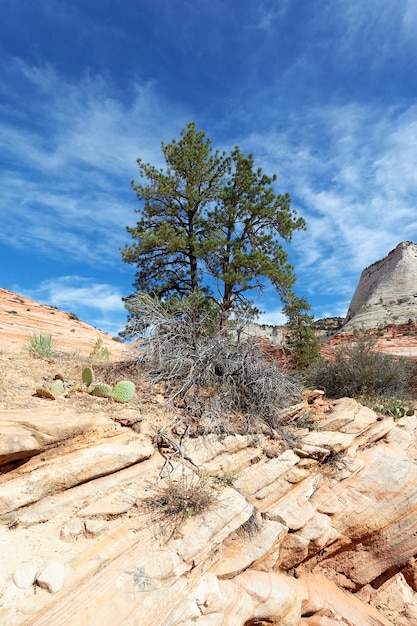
[[25, 576], [72, 529], [52, 577], [94, 527]]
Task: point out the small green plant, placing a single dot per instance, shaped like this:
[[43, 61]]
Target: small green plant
[[394, 408], [73, 316], [306, 421], [57, 387], [123, 391], [102, 390], [227, 477], [99, 351], [87, 376], [41, 345]]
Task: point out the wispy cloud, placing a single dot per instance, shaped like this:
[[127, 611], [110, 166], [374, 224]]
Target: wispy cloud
[[352, 175], [70, 159], [99, 301]]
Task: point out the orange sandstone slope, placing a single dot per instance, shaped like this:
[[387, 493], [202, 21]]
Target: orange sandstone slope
[[20, 316]]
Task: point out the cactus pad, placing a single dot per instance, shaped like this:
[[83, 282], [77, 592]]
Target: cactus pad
[[88, 376], [123, 391], [102, 390], [57, 387]]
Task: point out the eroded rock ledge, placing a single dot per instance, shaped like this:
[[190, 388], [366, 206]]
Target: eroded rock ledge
[[320, 533]]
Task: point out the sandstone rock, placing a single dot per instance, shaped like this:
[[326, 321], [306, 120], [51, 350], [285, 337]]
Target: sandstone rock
[[72, 529], [201, 534], [321, 593], [50, 425], [293, 550], [112, 504], [69, 333], [273, 594], [397, 596], [295, 508], [257, 479], [333, 441], [239, 552], [207, 448], [348, 417], [52, 577], [16, 442], [325, 501], [38, 478], [25, 576], [94, 527], [379, 515], [317, 530], [386, 292], [89, 493], [410, 573]]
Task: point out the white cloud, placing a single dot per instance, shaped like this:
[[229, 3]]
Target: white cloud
[[67, 185], [274, 317], [99, 303], [65, 291], [352, 175]]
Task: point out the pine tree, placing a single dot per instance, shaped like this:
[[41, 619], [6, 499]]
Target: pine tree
[[301, 338], [209, 224]]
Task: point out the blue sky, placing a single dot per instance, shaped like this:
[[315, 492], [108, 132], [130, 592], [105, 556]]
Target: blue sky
[[324, 94]]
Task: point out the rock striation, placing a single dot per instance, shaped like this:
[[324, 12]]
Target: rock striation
[[21, 316], [317, 531], [387, 291]]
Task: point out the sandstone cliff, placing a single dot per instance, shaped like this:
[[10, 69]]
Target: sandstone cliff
[[21, 316], [387, 291]]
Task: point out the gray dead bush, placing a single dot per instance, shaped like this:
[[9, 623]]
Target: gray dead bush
[[218, 380]]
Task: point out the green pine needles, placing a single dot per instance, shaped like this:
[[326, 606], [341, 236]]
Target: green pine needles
[[211, 223]]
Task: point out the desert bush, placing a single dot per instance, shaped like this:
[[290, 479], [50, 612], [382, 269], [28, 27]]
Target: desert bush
[[41, 345], [213, 374], [170, 505], [99, 351], [359, 370]]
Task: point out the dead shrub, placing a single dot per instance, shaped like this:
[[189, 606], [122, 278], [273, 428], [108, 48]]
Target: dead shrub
[[217, 379], [172, 503]]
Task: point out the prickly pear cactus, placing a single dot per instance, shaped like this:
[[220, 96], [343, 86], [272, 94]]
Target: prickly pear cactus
[[57, 387], [88, 376], [123, 391], [78, 387], [102, 390]]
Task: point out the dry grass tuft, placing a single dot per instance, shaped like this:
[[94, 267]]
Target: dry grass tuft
[[171, 504]]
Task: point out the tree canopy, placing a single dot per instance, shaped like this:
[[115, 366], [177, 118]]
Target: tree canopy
[[209, 223]]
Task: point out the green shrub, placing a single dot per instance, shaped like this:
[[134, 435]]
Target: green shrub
[[99, 351], [357, 369], [41, 345]]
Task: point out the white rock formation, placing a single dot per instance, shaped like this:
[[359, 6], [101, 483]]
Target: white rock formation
[[387, 291]]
